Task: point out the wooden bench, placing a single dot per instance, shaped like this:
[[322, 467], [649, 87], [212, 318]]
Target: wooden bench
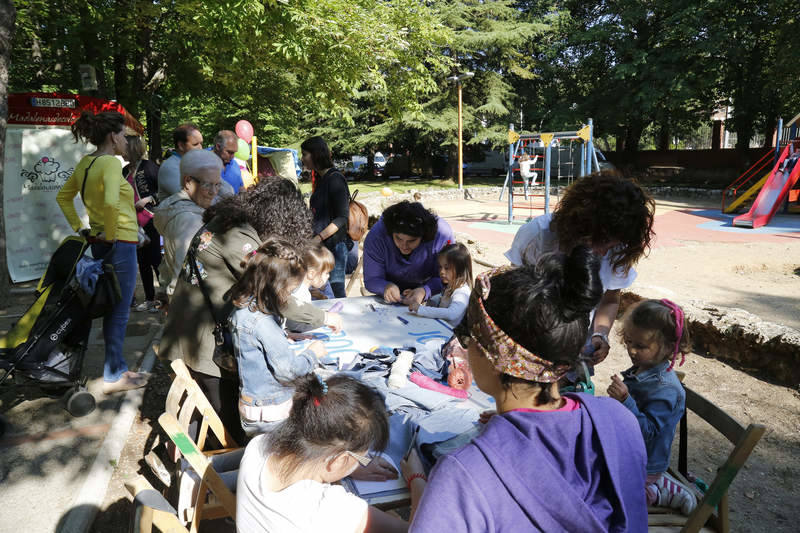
[[711, 513]]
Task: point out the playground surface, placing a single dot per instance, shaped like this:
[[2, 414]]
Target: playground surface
[[50, 458]]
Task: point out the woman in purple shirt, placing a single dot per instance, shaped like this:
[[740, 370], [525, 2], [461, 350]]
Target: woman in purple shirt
[[544, 461], [400, 253]]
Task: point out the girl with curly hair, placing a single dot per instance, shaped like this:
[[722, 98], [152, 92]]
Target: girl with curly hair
[[232, 229], [614, 217]]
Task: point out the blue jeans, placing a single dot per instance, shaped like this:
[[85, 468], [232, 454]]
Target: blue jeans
[[337, 274], [123, 256]]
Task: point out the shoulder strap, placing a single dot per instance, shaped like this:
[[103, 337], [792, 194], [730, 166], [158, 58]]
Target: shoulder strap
[[190, 255], [353, 197], [86, 177]]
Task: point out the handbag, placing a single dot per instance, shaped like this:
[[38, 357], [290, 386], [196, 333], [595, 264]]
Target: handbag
[[223, 356], [143, 215], [358, 219], [107, 292]]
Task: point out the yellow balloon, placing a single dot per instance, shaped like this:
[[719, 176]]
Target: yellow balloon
[[386, 191]]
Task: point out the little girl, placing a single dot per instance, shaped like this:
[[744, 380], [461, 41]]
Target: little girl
[[654, 332], [266, 363], [455, 269], [319, 262], [286, 480]]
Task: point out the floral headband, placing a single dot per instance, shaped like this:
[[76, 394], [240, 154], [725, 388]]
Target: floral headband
[[506, 355]]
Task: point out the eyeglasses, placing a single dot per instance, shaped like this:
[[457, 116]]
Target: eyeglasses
[[206, 185], [362, 460]]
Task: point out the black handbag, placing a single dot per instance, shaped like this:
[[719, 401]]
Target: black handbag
[[224, 356]]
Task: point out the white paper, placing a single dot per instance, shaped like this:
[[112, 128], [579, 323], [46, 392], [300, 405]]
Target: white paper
[[366, 488]]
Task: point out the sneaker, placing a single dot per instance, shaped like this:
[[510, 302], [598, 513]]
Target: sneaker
[[128, 381], [151, 306], [673, 494]]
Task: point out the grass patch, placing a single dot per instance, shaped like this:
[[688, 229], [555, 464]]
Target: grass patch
[[420, 184]]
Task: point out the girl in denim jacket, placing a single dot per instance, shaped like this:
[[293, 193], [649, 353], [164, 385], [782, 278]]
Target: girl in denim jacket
[[266, 363], [654, 332]]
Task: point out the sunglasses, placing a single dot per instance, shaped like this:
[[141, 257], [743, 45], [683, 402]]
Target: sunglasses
[[206, 185], [362, 460]]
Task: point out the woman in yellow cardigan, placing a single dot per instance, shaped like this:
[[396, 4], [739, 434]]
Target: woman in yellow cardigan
[[108, 198]]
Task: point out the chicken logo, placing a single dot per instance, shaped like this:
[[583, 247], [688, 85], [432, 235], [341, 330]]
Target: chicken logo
[[45, 175]]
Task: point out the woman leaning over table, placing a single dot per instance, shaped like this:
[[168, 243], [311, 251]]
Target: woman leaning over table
[[108, 198]]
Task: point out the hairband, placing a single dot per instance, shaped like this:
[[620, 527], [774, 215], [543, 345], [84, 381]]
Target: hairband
[[324, 389], [506, 355], [677, 312]]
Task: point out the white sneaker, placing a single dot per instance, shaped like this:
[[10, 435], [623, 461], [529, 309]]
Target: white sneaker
[[673, 494]]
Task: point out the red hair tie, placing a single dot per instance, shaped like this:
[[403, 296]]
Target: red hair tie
[[316, 401]]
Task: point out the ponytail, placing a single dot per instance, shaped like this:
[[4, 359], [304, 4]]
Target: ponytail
[[95, 128]]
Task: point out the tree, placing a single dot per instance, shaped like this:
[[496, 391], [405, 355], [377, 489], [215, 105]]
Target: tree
[[8, 16]]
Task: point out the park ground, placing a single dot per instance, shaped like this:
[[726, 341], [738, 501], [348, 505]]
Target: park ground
[[696, 257]]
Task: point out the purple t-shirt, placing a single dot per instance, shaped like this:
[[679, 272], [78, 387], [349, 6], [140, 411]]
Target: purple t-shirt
[[383, 262], [580, 470]]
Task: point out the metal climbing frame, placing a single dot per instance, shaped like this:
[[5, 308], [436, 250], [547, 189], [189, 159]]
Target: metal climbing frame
[[518, 145]]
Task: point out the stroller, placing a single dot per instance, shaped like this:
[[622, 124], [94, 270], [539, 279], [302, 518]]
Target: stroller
[[42, 354]]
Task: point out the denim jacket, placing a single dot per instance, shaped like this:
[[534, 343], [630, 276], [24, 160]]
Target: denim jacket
[[657, 399], [265, 360]]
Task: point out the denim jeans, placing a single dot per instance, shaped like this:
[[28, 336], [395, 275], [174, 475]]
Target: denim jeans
[[123, 256], [337, 274]]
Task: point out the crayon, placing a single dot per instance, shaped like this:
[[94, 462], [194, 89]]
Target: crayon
[[403, 320]]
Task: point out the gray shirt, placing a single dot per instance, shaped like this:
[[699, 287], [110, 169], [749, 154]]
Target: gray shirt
[[169, 177]]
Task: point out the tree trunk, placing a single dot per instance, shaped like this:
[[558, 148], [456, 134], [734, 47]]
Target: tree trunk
[[632, 136], [8, 15], [154, 129], [769, 131], [662, 142]]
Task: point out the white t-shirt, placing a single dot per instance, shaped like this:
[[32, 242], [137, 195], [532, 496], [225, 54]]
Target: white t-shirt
[[535, 239], [305, 506]]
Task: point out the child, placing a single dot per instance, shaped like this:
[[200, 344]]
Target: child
[[654, 331], [266, 363], [525, 328], [287, 478], [319, 262], [455, 269]]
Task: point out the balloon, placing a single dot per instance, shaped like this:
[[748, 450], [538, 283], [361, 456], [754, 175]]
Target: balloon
[[243, 152], [386, 191], [244, 130]]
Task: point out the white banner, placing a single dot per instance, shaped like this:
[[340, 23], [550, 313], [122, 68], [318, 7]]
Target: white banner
[[38, 160]]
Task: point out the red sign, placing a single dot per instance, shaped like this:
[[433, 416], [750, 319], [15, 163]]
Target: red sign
[[61, 109]]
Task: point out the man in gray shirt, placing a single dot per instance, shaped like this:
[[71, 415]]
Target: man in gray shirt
[[185, 137]]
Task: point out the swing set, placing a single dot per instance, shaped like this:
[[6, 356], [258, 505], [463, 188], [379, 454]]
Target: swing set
[[538, 147]]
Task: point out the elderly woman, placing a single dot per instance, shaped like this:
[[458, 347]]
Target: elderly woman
[[180, 216], [234, 227], [545, 461], [614, 217], [400, 253], [330, 203]]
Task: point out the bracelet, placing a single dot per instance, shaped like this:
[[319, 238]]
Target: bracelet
[[417, 475], [603, 336]]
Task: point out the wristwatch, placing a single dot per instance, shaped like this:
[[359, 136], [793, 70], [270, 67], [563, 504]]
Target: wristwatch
[[602, 336]]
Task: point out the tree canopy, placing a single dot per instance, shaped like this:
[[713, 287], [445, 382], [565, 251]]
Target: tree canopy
[[368, 74]]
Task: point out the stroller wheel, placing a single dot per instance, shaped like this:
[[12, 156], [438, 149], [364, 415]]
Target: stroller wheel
[[79, 402]]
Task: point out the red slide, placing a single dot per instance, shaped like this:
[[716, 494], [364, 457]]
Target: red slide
[[778, 185]]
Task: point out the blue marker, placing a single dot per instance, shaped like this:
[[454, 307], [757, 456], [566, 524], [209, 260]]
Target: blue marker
[[403, 320]]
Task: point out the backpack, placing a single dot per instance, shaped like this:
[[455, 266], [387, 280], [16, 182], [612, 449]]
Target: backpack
[[358, 220]]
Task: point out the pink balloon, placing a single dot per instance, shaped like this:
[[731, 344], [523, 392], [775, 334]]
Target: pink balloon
[[244, 130]]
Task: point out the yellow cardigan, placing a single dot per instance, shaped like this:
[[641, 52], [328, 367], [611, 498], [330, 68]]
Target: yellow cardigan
[[109, 199]]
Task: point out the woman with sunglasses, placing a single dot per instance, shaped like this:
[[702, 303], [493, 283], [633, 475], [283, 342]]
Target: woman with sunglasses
[[401, 254], [287, 477], [545, 461], [180, 216]]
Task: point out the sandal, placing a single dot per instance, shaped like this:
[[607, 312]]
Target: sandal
[[128, 381]]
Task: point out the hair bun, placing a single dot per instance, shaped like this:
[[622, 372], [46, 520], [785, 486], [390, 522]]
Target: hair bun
[[572, 281]]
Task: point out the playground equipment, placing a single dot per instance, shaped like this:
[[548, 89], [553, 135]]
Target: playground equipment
[[526, 144], [769, 192]]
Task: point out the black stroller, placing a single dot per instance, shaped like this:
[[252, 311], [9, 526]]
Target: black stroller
[[42, 354]]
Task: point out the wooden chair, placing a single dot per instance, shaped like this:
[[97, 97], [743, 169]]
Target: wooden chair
[[151, 511], [186, 402], [711, 513], [210, 481]]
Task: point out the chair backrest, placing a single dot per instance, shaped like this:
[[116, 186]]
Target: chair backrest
[[186, 402], [209, 478], [714, 503]]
